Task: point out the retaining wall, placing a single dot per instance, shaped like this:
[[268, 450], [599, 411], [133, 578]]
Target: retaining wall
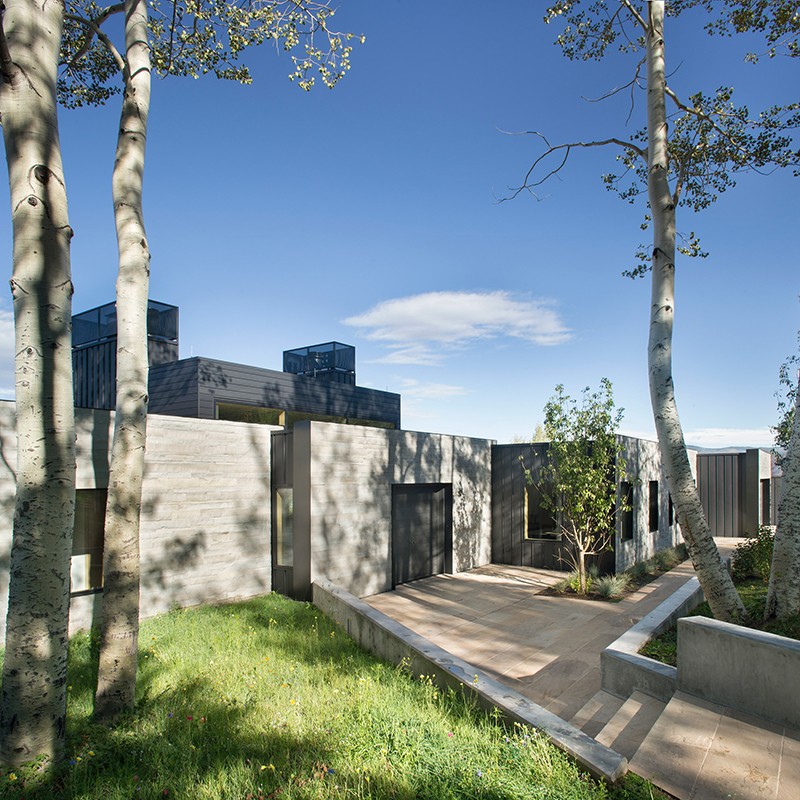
[[751, 670], [392, 641]]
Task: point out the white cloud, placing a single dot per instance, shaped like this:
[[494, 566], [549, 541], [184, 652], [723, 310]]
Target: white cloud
[[418, 354], [408, 324], [730, 437], [427, 391]]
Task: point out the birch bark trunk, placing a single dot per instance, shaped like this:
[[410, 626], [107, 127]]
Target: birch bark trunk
[[714, 578], [116, 682], [33, 697], [783, 598]]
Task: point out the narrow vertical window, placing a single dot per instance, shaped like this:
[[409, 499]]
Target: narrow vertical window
[[86, 568], [653, 512], [284, 541], [626, 504], [766, 511]]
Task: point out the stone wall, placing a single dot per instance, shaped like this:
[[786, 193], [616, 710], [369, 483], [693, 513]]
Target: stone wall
[[349, 495], [205, 527]]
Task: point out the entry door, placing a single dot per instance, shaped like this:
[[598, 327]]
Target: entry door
[[421, 531]]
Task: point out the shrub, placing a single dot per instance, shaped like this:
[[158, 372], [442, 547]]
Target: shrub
[[572, 583], [753, 558], [612, 585]]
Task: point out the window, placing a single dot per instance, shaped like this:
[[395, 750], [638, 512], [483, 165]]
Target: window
[[87, 542], [626, 519], [539, 522], [670, 511], [284, 527], [653, 513], [765, 502]]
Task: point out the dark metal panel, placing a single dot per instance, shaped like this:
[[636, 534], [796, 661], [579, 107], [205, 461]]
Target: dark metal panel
[[173, 388], [301, 482], [421, 531], [282, 459], [221, 381]]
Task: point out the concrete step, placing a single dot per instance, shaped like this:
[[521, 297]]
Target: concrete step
[[629, 726], [596, 713]]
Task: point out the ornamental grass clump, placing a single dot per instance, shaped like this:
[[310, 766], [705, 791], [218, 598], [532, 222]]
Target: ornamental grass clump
[[610, 587]]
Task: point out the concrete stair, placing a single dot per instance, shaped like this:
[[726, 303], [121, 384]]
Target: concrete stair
[[619, 724]]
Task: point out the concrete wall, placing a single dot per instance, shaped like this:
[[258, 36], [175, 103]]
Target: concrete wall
[[346, 496], [205, 529], [643, 461], [750, 670]]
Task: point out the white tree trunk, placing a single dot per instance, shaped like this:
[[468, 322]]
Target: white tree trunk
[[33, 702], [714, 578], [783, 598], [116, 682]]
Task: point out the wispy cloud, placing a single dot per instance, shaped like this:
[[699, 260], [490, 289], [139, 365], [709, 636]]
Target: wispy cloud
[[409, 326], [427, 391]]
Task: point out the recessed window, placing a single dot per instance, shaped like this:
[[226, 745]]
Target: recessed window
[[284, 527], [765, 502], [670, 511], [540, 523], [653, 507], [626, 516], [86, 571]]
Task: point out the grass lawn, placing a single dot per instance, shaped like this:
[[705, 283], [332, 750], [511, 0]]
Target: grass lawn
[[267, 699], [753, 592]]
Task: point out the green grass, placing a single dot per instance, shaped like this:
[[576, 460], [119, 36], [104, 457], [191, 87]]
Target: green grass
[[267, 699], [753, 592]]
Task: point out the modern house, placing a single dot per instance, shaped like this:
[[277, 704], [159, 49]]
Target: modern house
[[258, 480], [524, 533], [317, 382]]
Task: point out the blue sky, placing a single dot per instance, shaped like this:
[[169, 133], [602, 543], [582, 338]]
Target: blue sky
[[369, 214]]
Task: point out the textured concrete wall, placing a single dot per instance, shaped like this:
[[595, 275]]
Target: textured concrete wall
[[350, 479], [746, 669], [644, 465], [205, 527]]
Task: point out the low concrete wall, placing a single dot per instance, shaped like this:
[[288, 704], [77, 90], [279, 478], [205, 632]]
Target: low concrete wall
[[625, 671], [205, 522], [392, 641], [750, 670]]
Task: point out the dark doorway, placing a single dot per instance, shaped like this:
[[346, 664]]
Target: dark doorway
[[422, 531]]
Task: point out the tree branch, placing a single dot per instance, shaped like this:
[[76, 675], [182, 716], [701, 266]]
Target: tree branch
[[701, 115], [635, 14], [567, 148], [94, 30]]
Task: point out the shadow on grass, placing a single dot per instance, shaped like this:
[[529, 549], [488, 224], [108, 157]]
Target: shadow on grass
[[197, 735]]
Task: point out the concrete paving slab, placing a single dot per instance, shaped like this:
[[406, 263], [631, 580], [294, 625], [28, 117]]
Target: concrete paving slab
[[630, 726], [593, 716], [789, 777], [548, 648]]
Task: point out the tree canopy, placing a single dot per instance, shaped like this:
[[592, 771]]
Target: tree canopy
[[194, 38]]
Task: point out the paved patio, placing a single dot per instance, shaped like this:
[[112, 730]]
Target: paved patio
[[548, 648]]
